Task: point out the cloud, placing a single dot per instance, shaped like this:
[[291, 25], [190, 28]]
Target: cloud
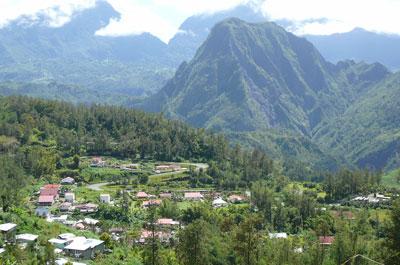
[[336, 15], [55, 12], [161, 18]]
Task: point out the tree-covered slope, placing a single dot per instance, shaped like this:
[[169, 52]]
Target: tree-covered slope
[[368, 133]]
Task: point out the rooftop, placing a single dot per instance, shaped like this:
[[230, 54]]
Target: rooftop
[[82, 243], [27, 237], [7, 227]]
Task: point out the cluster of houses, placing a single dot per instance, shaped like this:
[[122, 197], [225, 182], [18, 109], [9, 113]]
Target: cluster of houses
[[165, 231], [374, 198], [99, 162], [149, 200], [67, 244], [168, 168]]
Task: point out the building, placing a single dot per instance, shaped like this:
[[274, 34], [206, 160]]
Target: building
[[150, 203], [8, 232], [97, 162], [105, 198], [69, 197], [164, 222], [219, 202], [193, 196], [278, 235], [169, 167], [65, 207], [87, 208], [59, 243], [236, 198], [26, 239], [43, 212], [326, 240], [142, 195], [84, 248], [163, 237], [46, 200], [166, 195], [130, 167], [68, 181]]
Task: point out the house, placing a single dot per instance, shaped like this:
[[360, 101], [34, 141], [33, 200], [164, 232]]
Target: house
[[65, 207], [2, 250], [91, 222], [97, 162], [62, 219], [142, 195], [84, 248], [65, 261], [105, 198], [166, 195], [171, 167], [26, 239], [150, 203], [219, 203], [326, 240], [130, 167], [163, 237], [46, 200], [59, 243], [164, 222], [8, 232], [43, 212], [68, 181], [69, 197], [236, 198], [87, 208], [193, 196], [278, 235]]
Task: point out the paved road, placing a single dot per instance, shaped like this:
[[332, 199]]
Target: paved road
[[97, 186]]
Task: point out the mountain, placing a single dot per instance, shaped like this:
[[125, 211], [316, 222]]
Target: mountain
[[266, 87], [195, 30], [360, 45], [31, 50], [368, 133]]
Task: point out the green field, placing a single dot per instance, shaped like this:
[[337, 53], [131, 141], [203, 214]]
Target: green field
[[390, 179]]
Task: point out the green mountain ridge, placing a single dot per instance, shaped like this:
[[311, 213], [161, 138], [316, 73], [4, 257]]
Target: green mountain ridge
[[250, 80]]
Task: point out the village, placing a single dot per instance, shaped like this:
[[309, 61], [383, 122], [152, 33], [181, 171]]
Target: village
[[75, 205]]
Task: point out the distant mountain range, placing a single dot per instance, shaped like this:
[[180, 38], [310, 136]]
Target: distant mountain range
[[268, 87]]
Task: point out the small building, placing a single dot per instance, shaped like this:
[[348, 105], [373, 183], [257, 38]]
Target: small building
[[142, 195], [91, 222], [168, 167], [8, 232], [163, 237], [236, 198], [46, 200], [2, 250], [26, 238], [166, 195], [65, 207], [219, 202], [326, 240], [164, 222], [87, 208], [150, 203], [278, 235], [105, 198], [43, 212], [97, 162], [130, 167], [59, 243], [68, 181], [84, 248], [69, 197], [193, 196]]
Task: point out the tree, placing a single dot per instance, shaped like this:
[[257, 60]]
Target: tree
[[393, 234], [247, 240]]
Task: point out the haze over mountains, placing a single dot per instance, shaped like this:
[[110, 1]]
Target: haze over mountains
[[248, 78]]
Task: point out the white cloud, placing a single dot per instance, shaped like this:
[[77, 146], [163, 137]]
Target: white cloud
[[57, 12], [341, 15], [162, 18]]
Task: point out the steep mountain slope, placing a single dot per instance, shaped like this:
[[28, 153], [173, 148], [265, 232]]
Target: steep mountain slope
[[255, 76], [266, 87], [195, 30], [360, 45], [368, 133], [31, 50]]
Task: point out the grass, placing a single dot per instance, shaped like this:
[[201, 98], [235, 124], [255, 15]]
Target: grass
[[389, 180]]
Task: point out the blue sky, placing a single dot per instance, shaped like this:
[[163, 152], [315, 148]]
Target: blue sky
[[162, 18]]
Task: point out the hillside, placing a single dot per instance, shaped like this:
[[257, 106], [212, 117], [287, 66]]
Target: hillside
[[251, 78], [368, 133]]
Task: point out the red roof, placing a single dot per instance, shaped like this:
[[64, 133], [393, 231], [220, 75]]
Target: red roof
[[46, 199], [142, 194], [326, 240], [165, 221], [52, 186], [49, 192], [151, 203]]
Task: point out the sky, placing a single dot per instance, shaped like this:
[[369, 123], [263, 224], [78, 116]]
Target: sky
[[162, 18]]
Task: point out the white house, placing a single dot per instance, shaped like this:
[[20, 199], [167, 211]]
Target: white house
[[8, 231], [84, 248], [219, 202], [70, 197], [278, 235], [26, 238], [105, 198]]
